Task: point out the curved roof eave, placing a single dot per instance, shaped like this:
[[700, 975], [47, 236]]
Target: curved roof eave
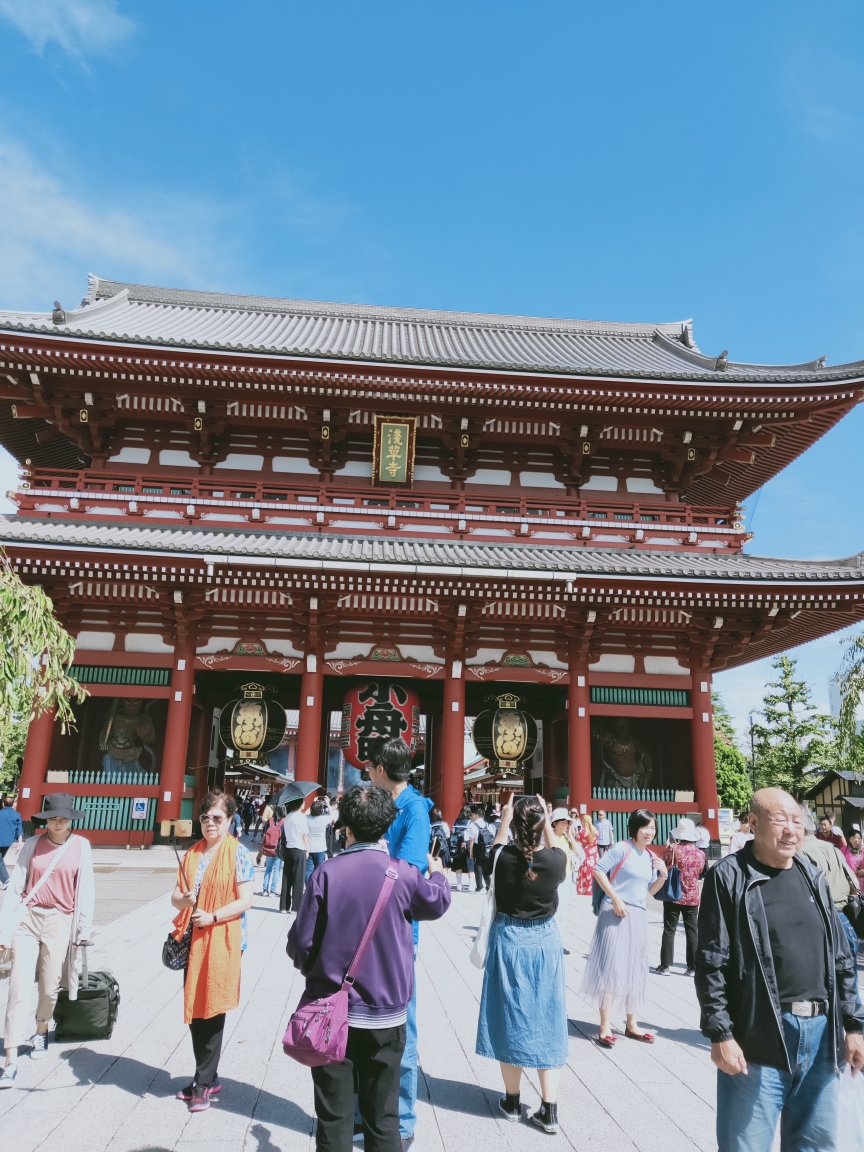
[[181, 319]]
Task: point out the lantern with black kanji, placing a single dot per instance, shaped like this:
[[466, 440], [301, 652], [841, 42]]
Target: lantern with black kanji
[[507, 735], [374, 710], [252, 726]]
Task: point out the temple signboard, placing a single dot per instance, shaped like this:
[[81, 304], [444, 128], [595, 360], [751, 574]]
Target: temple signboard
[[393, 456]]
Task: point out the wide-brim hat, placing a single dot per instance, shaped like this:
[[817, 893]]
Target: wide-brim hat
[[60, 804], [559, 814], [685, 830]]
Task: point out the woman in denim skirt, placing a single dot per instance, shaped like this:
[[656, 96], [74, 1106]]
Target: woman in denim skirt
[[523, 1010]]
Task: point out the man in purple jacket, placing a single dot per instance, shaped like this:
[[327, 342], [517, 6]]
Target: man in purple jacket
[[333, 915]]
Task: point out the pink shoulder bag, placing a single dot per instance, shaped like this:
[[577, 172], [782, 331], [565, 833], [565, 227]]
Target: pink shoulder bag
[[318, 1030]]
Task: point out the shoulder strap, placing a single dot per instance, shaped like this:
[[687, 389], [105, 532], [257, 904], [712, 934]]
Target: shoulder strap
[[47, 871], [377, 912], [620, 863]]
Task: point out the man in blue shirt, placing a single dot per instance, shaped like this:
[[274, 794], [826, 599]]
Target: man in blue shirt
[[408, 839], [11, 830]]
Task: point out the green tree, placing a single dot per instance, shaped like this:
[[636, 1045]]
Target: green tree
[[794, 741], [34, 663], [851, 738], [734, 786]]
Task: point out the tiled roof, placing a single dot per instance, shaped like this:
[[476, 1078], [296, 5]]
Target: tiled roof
[[210, 320], [378, 554]]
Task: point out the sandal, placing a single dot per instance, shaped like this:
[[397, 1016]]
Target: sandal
[[645, 1037], [606, 1041]]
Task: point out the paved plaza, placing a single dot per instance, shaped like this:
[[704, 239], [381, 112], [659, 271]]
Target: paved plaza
[[119, 1094]]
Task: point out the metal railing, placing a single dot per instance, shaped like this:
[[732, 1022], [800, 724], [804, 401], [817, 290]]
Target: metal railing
[[113, 813], [640, 795], [148, 779], [666, 821]]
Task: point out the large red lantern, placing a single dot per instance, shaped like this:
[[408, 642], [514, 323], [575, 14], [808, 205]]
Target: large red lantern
[[376, 709]]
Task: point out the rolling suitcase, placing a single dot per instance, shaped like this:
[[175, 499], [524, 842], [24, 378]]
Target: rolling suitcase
[[93, 1014]]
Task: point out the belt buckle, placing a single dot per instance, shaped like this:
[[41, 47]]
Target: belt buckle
[[804, 1008]]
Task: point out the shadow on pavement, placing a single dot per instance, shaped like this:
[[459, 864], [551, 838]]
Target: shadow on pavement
[[90, 1067], [457, 1096]]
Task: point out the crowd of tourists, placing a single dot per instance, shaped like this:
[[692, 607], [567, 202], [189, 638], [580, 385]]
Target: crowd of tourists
[[770, 931]]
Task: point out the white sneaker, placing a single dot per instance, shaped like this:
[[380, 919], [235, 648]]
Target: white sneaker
[[7, 1080], [40, 1046]]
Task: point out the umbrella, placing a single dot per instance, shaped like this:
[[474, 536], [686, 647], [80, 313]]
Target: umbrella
[[296, 790]]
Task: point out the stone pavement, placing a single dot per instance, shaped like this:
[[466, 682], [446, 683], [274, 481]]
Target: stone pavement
[[117, 1095]]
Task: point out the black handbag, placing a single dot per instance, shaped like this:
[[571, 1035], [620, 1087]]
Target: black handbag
[[175, 953], [855, 914]]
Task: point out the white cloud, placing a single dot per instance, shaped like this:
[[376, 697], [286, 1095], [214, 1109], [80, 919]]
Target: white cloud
[[76, 25], [52, 237]]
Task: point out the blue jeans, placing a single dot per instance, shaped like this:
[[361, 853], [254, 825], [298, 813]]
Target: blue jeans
[[4, 875], [805, 1101], [408, 1069], [272, 874], [312, 862]]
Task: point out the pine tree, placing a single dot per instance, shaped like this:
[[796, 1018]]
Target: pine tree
[[734, 786], [34, 661], [795, 741]]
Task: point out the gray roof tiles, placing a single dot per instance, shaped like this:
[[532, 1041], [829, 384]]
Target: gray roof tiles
[[516, 560], [217, 321]]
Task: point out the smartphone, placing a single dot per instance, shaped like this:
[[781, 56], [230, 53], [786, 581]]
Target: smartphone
[[436, 848]]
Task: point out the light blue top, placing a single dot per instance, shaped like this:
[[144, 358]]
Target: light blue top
[[244, 871], [635, 876]]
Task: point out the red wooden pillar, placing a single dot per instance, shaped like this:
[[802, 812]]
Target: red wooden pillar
[[579, 733], [433, 752], [31, 786], [702, 743], [309, 724], [453, 742], [174, 755]]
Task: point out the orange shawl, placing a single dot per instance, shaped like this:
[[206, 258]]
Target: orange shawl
[[213, 975]]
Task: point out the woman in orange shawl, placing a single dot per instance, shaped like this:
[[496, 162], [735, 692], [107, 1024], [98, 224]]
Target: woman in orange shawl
[[213, 893]]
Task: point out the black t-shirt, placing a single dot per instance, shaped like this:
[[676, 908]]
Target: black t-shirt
[[797, 933], [524, 899]]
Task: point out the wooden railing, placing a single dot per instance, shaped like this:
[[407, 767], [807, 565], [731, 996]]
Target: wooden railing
[[285, 505]]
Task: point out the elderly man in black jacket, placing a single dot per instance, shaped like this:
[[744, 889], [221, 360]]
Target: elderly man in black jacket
[[778, 989]]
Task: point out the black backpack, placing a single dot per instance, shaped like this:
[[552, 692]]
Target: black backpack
[[485, 839]]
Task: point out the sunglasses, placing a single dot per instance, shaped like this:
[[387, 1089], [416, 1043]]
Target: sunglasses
[[213, 819]]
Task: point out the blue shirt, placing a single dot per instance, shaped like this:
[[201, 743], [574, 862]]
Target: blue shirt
[[633, 878], [408, 836], [10, 827]]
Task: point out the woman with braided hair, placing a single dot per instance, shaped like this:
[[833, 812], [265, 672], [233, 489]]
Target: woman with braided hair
[[523, 1009]]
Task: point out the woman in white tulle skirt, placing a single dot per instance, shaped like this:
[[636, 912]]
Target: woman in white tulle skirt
[[616, 976]]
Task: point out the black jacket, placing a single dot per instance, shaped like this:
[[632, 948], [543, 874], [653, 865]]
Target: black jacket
[[735, 979]]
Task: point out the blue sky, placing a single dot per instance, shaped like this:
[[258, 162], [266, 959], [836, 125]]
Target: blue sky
[[627, 161]]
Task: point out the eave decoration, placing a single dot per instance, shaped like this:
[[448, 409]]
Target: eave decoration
[[393, 453], [506, 735]]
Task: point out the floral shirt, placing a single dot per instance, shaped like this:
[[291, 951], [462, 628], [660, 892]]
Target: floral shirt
[[690, 861], [244, 871]]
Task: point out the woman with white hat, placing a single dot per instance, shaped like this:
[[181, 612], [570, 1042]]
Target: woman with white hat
[[683, 854], [47, 914]]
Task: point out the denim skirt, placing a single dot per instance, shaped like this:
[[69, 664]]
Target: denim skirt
[[523, 1009]]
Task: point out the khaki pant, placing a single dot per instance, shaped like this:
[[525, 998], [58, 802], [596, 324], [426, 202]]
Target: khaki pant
[[39, 949]]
